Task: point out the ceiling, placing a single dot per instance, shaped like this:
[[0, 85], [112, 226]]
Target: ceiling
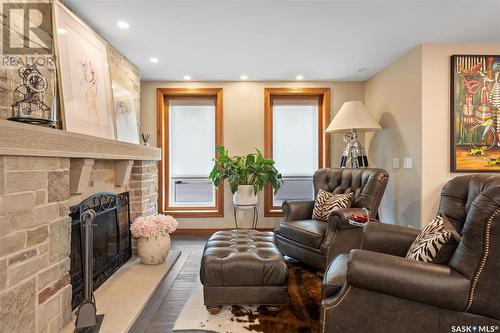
[[278, 40]]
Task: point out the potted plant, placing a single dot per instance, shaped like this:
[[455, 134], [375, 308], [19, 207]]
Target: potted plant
[[153, 237], [247, 175]]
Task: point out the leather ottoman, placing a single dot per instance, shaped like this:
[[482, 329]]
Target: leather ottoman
[[243, 267]]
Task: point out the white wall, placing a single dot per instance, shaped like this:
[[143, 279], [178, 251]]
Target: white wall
[[393, 96], [243, 128]]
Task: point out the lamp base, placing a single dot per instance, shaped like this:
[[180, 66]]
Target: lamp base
[[354, 153]]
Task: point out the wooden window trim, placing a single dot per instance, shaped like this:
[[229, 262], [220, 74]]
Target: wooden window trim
[[324, 156], [162, 96]]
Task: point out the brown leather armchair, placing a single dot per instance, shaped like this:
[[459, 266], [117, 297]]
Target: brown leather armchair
[[317, 243], [376, 289]]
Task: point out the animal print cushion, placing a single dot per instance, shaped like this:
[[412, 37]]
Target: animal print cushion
[[327, 202], [436, 242]]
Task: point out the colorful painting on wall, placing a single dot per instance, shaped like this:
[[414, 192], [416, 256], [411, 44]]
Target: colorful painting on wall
[[475, 113], [85, 82]]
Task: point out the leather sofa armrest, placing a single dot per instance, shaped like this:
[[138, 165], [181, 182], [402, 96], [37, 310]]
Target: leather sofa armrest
[[350, 238], [296, 210], [340, 217], [335, 276], [432, 284], [388, 238]]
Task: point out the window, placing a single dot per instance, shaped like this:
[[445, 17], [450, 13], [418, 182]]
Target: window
[[295, 133], [295, 123], [190, 128]]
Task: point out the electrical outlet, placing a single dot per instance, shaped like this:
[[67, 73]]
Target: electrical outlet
[[240, 215]]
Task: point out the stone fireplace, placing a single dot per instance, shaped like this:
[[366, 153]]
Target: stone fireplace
[[43, 173]]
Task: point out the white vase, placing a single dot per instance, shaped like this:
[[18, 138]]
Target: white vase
[[154, 249], [245, 195]]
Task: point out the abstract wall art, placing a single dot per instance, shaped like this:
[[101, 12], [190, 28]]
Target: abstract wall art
[[85, 84], [125, 114], [475, 113]]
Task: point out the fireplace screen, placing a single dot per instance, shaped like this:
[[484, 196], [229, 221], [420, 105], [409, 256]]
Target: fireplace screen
[[112, 244]]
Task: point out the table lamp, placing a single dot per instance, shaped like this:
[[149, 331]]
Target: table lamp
[[351, 119]]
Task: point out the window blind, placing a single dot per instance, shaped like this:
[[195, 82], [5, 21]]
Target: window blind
[[191, 137], [295, 136]]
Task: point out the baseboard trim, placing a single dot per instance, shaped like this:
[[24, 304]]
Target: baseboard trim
[[206, 232]]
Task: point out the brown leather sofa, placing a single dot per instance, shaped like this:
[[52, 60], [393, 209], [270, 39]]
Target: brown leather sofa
[[316, 243], [376, 289]]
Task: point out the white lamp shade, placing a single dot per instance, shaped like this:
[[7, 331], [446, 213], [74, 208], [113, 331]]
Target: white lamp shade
[[353, 115]]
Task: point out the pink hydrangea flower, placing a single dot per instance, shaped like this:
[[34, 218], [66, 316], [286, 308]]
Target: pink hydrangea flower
[[147, 226]]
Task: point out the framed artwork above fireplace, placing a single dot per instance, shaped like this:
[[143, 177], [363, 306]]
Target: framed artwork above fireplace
[[84, 76]]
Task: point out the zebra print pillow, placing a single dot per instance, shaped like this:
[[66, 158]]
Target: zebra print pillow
[[435, 243], [327, 202]]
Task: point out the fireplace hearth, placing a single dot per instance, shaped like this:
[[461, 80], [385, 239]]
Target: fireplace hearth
[[112, 241]]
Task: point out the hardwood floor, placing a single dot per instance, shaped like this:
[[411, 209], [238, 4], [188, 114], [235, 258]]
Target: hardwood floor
[[160, 313]]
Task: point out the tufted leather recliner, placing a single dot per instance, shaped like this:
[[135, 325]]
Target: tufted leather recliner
[[376, 289], [315, 242]]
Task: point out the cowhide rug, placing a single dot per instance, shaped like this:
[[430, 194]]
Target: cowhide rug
[[300, 314]]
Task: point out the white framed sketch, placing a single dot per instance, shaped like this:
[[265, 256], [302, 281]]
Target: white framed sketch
[[85, 84], [125, 114]]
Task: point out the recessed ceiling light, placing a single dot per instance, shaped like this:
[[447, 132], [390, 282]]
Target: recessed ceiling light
[[123, 25], [361, 69], [61, 31], [299, 78], [154, 60], [187, 77], [244, 77]]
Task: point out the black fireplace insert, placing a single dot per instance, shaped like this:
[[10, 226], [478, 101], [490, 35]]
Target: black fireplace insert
[[112, 241]]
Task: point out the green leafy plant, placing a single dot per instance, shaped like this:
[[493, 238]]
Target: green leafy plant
[[252, 169]]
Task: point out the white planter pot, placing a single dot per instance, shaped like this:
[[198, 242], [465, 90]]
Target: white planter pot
[[153, 250], [245, 195]]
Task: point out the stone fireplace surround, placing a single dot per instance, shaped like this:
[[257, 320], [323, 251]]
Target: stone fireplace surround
[[42, 173]]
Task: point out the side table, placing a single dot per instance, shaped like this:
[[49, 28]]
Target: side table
[[255, 218]]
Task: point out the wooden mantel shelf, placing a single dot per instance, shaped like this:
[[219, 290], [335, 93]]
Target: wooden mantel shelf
[[17, 139]]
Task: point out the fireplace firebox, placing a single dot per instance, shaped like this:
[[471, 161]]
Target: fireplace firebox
[[112, 241]]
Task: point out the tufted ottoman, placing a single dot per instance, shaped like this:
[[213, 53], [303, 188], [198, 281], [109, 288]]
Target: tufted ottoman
[[243, 267]]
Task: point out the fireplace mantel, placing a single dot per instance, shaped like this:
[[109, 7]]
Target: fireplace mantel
[[18, 139]]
